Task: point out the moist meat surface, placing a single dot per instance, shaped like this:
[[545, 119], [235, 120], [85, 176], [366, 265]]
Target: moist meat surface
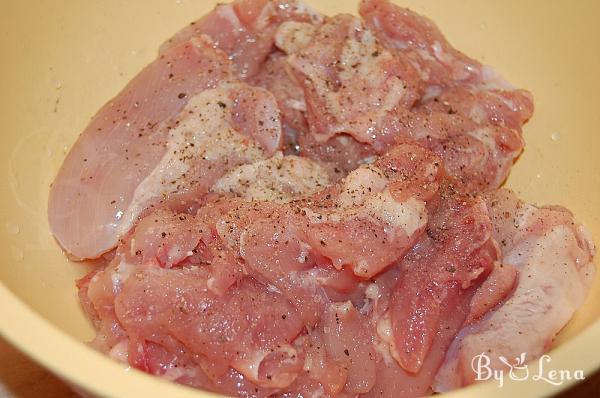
[[298, 205]]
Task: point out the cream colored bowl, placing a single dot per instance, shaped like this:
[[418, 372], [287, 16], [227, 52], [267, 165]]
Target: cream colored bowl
[[61, 60]]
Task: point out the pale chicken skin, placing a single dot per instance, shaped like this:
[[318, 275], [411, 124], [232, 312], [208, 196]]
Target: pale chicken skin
[[552, 254], [287, 204]]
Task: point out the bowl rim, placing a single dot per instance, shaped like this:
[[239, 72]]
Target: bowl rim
[[63, 355]]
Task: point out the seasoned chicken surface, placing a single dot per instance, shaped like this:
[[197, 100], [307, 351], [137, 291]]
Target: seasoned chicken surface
[[297, 205]]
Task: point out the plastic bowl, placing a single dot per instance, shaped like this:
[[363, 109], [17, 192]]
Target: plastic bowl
[[63, 59]]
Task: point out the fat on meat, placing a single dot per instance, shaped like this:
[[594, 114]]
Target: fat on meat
[[123, 144], [245, 29], [341, 153], [171, 287], [397, 331], [276, 77], [292, 205], [362, 96], [418, 38], [350, 81], [174, 166], [420, 305], [362, 225], [277, 179], [552, 254]]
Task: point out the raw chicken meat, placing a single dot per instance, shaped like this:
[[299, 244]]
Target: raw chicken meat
[[213, 133], [339, 155], [479, 143], [552, 254], [293, 205], [419, 39], [297, 251], [233, 242], [351, 83], [278, 179], [245, 29], [361, 96], [274, 77], [123, 144]]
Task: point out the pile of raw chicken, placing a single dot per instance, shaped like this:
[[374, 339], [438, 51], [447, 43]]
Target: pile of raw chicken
[[295, 205]]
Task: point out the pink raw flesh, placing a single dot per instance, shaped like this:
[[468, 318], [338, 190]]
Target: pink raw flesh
[[367, 86], [552, 254], [245, 30], [122, 145], [285, 204]]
